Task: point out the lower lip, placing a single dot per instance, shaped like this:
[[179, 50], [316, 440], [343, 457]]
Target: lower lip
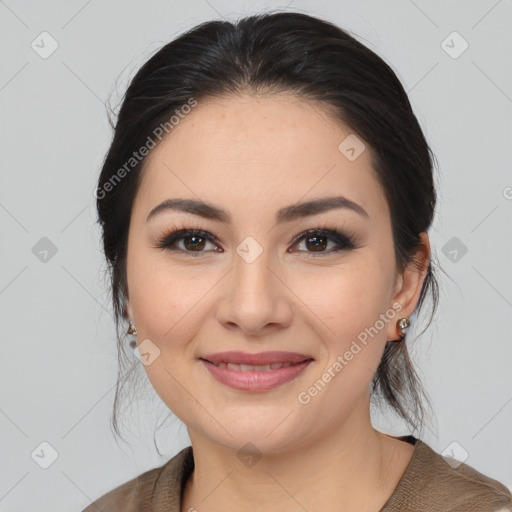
[[255, 380]]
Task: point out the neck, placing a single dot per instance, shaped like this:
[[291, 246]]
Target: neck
[[354, 468]]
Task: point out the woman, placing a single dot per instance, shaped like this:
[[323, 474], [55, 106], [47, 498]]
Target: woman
[[265, 206]]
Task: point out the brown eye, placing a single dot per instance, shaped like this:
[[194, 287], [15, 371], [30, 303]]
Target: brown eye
[[317, 240], [192, 240], [316, 243]]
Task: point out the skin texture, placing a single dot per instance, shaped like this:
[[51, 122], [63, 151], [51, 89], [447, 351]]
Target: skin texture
[[252, 155]]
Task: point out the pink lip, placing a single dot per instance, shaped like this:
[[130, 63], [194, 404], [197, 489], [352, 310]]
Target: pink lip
[[256, 380]]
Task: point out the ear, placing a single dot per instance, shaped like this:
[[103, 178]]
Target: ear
[[409, 284]]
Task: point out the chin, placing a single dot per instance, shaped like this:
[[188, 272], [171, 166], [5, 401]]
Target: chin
[[259, 433]]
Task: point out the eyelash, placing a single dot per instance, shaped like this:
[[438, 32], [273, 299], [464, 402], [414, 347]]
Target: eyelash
[[167, 241]]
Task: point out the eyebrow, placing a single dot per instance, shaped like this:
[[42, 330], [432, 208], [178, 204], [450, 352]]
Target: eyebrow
[[286, 214]]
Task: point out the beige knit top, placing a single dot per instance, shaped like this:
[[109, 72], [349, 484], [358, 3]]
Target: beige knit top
[[429, 484]]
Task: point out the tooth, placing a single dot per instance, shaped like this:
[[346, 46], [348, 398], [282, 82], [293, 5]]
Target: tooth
[[285, 365], [265, 367], [252, 367]]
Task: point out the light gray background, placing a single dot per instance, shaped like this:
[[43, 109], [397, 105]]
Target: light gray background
[[58, 363]]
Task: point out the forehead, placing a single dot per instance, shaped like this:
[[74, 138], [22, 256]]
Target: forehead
[[249, 152]]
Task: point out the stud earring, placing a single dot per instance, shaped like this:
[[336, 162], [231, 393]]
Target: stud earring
[[132, 330], [401, 325]]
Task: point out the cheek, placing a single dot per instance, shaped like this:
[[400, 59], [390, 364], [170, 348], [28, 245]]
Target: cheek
[[348, 303], [168, 298], [348, 298]]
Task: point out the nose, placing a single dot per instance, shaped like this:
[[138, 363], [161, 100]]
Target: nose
[[255, 298]]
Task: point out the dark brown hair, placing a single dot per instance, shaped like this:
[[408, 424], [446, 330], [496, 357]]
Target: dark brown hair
[[316, 60]]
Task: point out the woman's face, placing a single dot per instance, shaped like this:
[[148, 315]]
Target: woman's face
[[254, 282]]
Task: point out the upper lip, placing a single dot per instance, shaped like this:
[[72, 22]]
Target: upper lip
[[261, 358]]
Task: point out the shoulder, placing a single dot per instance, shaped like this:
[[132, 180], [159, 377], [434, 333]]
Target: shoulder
[[147, 491], [432, 482]]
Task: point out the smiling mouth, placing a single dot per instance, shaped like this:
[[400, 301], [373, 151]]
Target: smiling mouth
[[252, 367], [255, 372]]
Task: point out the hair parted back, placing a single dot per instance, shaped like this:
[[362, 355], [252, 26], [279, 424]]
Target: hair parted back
[[316, 60]]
